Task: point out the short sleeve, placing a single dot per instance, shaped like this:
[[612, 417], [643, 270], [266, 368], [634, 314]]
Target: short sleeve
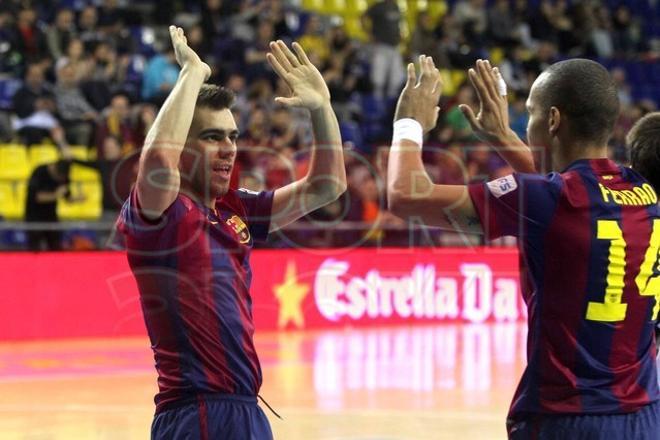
[[132, 223], [515, 204], [258, 208]]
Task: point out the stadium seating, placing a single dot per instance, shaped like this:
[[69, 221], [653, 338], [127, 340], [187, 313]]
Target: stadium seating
[[89, 209], [42, 154], [17, 163], [14, 164], [12, 199]]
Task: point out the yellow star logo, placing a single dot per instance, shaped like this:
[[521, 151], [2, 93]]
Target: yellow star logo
[[290, 295]]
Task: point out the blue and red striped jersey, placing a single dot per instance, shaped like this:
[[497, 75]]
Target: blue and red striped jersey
[[588, 240], [192, 267]]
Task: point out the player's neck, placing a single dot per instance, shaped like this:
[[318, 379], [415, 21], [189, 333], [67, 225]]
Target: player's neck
[[567, 155], [187, 190]]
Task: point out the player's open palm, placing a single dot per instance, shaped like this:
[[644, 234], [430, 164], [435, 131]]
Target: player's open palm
[[492, 122], [308, 89], [419, 98], [184, 54]]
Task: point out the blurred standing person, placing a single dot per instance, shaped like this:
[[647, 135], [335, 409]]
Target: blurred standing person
[[76, 113], [383, 22], [60, 33], [47, 184]]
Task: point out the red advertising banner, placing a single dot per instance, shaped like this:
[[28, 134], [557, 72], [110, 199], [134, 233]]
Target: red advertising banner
[[65, 295]]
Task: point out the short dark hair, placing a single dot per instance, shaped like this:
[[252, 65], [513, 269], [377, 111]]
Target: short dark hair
[[585, 92], [215, 97], [644, 143]]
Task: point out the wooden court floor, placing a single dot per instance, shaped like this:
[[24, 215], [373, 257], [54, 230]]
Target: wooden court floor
[[418, 382]]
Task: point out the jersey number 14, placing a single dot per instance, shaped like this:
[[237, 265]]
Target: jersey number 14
[[648, 283]]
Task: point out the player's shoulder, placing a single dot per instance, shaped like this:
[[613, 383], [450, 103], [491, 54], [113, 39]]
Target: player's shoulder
[[524, 182]]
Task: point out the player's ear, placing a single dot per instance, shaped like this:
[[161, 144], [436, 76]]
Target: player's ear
[[554, 120]]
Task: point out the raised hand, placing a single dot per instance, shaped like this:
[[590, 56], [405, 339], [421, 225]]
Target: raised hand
[[308, 89], [419, 99], [185, 56], [491, 124]]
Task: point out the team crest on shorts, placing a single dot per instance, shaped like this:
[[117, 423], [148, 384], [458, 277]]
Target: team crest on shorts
[[240, 228]]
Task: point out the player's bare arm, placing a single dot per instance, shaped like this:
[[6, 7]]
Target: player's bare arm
[[158, 174], [410, 192], [326, 178], [491, 123]]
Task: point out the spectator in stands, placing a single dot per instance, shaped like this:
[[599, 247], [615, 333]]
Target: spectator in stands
[[76, 58], [454, 118], [199, 42], [383, 22], [60, 33], [76, 113], [284, 132], [314, 41], [215, 18], [159, 77], [116, 124], [471, 16], [47, 184], [625, 31], [518, 117], [601, 34], [106, 75], [255, 53], [34, 105], [11, 58], [88, 30], [31, 41], [110, 17], [513, 70], [425, 41], [118, 174], [502, 24], [276, 12]]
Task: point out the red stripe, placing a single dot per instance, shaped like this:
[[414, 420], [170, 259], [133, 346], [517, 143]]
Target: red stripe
[[481, 200], [567, 250], [203, 419]]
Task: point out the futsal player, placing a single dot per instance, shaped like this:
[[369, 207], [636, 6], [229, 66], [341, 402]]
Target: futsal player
[[588, 237], [189, 238]]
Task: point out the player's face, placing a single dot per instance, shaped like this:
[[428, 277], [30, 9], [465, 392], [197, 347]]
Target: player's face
[[210, 152]]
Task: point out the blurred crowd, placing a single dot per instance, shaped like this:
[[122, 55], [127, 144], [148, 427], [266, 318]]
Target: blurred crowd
[[94, 72]]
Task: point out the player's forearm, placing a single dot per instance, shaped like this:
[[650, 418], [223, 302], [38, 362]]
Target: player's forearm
[[169, 130], [158, 176], [412, 195], [515, 152], [326, 178], [407, 180]]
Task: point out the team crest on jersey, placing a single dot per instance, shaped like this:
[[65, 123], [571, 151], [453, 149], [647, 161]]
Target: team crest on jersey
[[240, 228], [503, 185]]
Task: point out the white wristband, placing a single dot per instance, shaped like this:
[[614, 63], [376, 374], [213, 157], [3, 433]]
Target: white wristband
[[409, 129]]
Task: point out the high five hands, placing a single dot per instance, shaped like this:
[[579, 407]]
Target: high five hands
[[491, 124], [419, 99], [185, 56], [308, 89]]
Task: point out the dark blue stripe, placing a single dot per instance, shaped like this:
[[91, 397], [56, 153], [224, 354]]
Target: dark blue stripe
[[228, 313], [539, 201]]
